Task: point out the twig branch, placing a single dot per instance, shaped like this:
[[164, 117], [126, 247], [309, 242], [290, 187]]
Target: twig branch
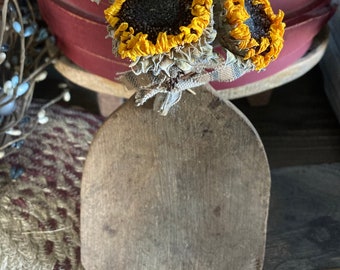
[[3, 21]]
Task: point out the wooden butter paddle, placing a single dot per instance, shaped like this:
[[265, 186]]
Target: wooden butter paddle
[[185, 191]]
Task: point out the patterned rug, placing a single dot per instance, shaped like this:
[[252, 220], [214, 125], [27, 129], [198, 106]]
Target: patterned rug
[[40, 193]]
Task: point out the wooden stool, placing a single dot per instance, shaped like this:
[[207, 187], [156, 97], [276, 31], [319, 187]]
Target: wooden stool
[[255, 91], [185, 191]]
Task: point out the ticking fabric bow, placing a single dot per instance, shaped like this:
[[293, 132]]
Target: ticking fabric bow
[[171, 43]]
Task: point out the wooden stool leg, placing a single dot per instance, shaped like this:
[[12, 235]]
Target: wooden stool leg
[[108, 103], [185, 191], [260, 99]]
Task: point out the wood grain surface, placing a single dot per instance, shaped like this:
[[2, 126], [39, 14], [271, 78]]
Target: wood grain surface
[[304, 218], [185, 191]]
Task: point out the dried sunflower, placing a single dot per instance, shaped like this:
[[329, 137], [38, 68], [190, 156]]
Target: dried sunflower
[[253, 30], [151, 27], [167, 41]]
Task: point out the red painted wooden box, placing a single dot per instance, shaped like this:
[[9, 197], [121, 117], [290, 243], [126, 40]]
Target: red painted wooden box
[[80, 29]]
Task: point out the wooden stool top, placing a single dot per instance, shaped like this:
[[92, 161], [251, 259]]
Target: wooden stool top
[[185, 191], [102, 85]]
